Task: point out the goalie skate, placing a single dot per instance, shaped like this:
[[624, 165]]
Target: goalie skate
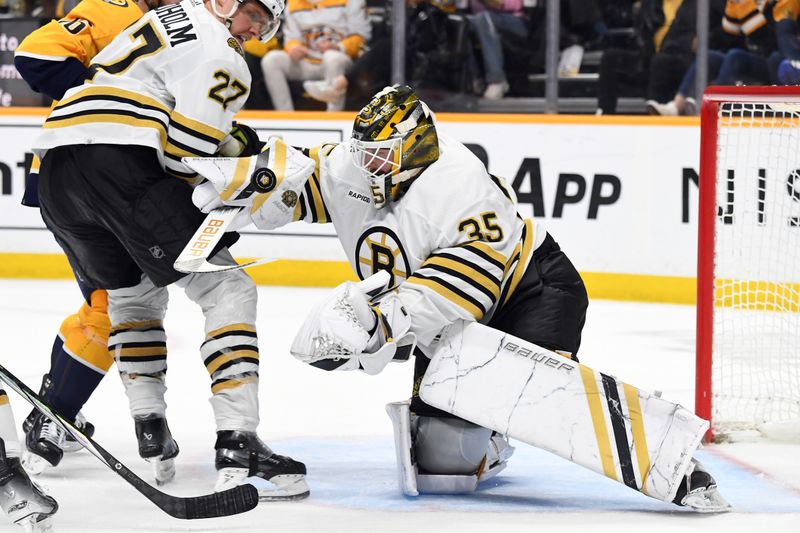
[[699, 491], [243, 458], [21, 499], [157, 447]]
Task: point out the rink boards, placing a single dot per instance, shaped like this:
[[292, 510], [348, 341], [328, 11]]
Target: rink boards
[[618, 193]]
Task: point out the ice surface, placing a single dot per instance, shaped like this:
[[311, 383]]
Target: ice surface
[[336, 424]]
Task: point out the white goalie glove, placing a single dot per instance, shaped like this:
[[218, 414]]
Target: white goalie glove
[[347, 331], [267, 186]]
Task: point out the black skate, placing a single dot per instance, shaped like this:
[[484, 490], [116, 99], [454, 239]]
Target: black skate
[[242, 455], [44, 443], [699, 491], [157, 447], [70, 444], [21, 499]]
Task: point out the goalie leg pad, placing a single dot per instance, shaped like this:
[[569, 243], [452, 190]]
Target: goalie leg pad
[[550, 402], [483, 463]]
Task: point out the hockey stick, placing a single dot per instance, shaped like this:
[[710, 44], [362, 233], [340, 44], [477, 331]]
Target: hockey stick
[[194, 257], [229, 502]]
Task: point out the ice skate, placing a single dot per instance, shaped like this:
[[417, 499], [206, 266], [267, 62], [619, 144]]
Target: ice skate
[[243, 458], [157, 447], [70, 444], [44, 443], [699, 491], [21, 499]]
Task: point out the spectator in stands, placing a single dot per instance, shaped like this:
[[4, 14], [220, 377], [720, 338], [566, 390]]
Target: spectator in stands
[[254, 52], [488, 19], [659, 56], [322, 38], [763, 34]]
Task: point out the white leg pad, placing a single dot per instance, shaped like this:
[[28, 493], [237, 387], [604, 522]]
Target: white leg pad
[[521, 390]]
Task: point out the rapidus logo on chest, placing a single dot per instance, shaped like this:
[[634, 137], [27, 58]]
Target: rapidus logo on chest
[[358, 196]]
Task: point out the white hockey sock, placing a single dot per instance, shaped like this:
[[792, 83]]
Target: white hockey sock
[[8, 428]]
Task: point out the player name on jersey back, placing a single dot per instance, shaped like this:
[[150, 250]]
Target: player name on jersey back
[[177, 24]]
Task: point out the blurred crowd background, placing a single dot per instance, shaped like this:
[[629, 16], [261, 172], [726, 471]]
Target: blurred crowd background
[[612, 56]]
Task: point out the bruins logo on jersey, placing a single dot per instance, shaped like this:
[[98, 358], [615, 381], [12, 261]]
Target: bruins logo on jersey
[[378, 248], [263, 180], [289, 198], [233, 43]]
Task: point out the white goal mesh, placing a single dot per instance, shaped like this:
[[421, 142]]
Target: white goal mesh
[[756, 324]]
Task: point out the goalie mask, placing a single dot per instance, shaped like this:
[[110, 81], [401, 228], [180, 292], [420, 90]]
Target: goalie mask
[[394, 134], [274, 9]]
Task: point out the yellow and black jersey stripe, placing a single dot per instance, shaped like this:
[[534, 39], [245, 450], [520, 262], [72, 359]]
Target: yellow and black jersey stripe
[[188, 138], [3, 397], [177, 136], [312, 206], [519, 261], [469, 275]]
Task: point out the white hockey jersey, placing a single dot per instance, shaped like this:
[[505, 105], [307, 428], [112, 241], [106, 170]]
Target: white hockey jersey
[[173, 81], [454, 243]]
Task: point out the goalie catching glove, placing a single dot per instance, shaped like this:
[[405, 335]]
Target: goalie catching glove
[[347, 331], [267, 187]]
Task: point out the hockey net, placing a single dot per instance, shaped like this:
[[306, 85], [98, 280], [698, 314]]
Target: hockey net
[[748, 296]]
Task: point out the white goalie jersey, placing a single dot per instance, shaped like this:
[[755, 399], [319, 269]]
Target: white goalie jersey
[[454, 241], [173, 80]]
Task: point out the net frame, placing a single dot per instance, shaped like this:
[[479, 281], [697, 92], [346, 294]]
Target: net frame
[[714, 99]]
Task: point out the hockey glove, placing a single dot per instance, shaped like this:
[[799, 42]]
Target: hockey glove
[[347, 331], [268, 185], [241, 141]]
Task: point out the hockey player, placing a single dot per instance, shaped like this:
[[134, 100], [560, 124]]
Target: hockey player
[[432, 275], [477, 260], [168, 86], [53, 59], [21, 500]]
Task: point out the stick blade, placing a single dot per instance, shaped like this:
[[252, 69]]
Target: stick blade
[[226, 503]]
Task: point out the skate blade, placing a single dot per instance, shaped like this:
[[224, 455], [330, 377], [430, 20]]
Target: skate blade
[[707, 501], [163, 469], [280, 488], [71, 446], [34, 464], [36, 524]]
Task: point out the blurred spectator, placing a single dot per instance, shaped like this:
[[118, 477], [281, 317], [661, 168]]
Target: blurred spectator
[[368, 75], [764, 33], [322, 38], [488, 19], [254, 52], [657, 57]]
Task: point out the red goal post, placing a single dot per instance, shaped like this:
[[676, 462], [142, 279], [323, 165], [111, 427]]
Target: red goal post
[[748, 262]]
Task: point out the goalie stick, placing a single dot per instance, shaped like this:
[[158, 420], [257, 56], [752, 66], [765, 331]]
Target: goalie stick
[[194, 256], [229, 502]]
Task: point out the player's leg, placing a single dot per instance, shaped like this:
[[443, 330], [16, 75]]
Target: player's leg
[[139, 346], [78, 362], [21, 500], [230, 353]]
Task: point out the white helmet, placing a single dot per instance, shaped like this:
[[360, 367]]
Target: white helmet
[[274, 8]]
